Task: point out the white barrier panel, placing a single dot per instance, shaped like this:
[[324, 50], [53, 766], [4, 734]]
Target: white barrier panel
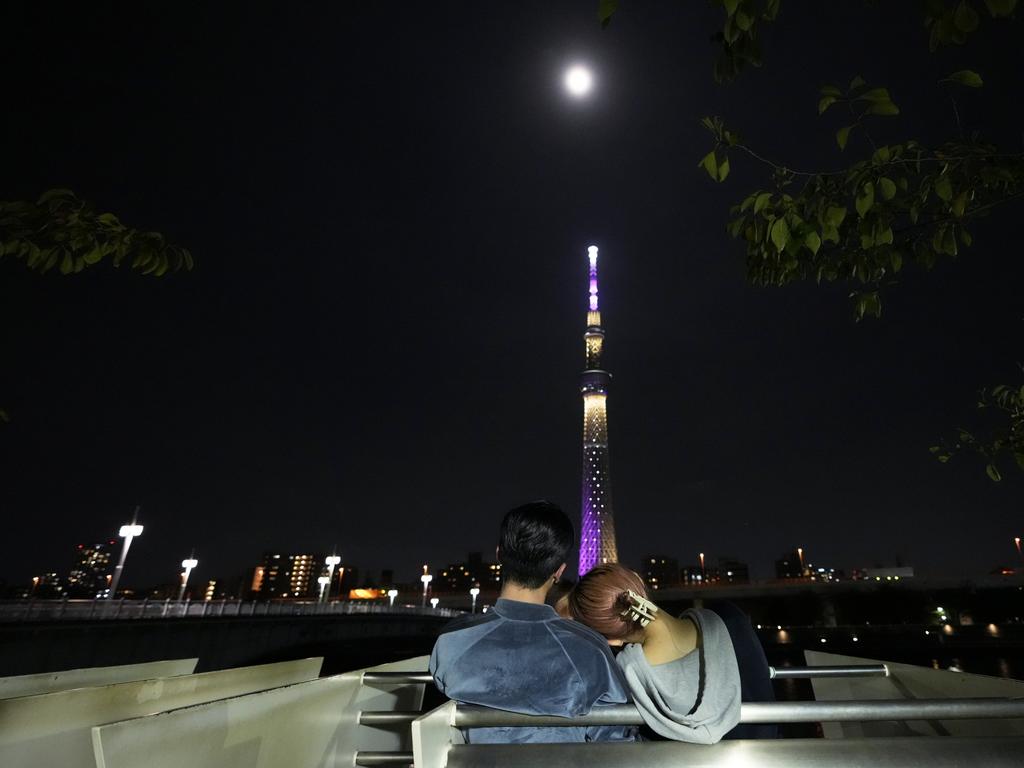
[[906, 681], [308, 725], [52, 729], [49, 682]]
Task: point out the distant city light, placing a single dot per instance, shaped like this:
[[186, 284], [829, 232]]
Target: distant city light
[[188, 564], [578, 81]]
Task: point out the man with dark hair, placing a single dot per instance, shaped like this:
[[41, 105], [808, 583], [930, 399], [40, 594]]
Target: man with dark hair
[[522, 656]]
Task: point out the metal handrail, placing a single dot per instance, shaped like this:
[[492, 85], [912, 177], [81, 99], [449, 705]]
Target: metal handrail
[[369, 758], [848, 670], [878, 752], [470, 716], [397, 678], [780, 673]]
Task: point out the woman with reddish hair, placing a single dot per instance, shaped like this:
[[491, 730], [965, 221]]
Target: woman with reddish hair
[[682, 672]]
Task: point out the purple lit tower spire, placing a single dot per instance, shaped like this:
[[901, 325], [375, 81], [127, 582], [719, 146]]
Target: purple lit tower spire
[[597, 531]]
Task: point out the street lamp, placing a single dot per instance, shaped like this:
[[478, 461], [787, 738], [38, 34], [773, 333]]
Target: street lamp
[[426, 578], [1016, 541], [330, 561], [703, 575], [188, 564], [127, 532], [473, 592], [323, 581], [392, 594], [800, 554], [434, 601]]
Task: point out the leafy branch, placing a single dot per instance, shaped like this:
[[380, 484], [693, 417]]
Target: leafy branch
[[1007, 441], [860, 224], [62, 231]]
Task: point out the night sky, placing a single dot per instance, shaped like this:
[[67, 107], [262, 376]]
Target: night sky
[[389, 205]]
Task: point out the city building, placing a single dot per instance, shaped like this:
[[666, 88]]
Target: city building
[[459, 577], [91, 570], [824, 573], [691, 575], [791, 566], [660, 572], [597, 529], [897, 573], [291, 576], [46, 586], [732, 571]]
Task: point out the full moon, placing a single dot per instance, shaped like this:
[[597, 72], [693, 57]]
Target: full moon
[[578, 81]]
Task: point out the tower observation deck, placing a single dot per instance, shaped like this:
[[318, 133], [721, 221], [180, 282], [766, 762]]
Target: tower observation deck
[[597, 530]]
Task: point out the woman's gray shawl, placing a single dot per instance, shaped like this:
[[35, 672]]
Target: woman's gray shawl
[[681, 701]]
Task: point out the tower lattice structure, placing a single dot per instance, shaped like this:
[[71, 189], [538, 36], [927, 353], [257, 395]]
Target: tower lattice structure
[[597, 531]]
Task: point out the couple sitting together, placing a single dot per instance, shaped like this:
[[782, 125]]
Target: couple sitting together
[[686, 675]]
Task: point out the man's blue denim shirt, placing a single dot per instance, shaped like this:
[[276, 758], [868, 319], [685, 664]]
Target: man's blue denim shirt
[[523, 657]]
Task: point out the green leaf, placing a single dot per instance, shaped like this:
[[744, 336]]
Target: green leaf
[[835, 215], [825, 103], [881, 156], [52, 194], [875, 94], [710, 163], [842, 135], [965, 17], [813, 241], [944, 188], [762, 201], [93, 256], [723, 168], [967, 77], [780, 234], [993, 472], [882, 108], [959, 204], [605, 10], [730, 6], [887, 187], [896, 261], [884, 237], [865, 199], [857, 82], [831, 90], [1000, 7]]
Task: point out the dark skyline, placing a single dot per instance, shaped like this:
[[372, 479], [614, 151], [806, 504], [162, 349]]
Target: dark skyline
[[389, 206]]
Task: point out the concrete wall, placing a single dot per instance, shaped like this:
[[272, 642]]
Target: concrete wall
[[345, 642]]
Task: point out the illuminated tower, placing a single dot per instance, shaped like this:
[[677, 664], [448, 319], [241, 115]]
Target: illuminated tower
[[597, 531]]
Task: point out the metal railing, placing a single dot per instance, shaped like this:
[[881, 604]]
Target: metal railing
[[121, 608], [851, 670], [780, 673], [470, 716], [467, 716], [879, 752]]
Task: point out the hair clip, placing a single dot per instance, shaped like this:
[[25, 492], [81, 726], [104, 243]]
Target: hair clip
[[640, 608]]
